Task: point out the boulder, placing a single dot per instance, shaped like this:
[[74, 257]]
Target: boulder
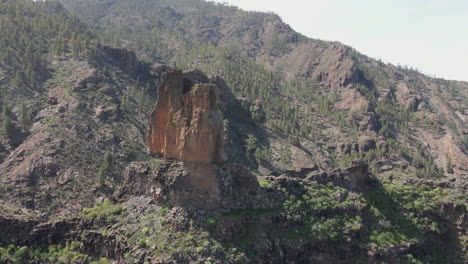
[[104, 113], [381, 143], [52, 100], [346, 148], [386, 168], [365, 143]]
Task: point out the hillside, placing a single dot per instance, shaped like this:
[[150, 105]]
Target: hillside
[[302, 82], [332, 156]]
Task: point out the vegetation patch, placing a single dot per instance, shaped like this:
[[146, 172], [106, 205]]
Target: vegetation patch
[[106, 210], [69, 253]]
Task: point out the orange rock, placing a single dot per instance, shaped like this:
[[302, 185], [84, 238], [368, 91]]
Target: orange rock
[[186, 123]]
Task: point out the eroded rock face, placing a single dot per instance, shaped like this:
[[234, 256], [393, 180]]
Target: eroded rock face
[[186, 123], [124, 59], [354, 178], [407, 98], [204, 186]]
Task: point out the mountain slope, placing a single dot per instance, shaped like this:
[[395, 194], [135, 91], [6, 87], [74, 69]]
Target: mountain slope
[[80, 97], [365, 96], [78, 185]]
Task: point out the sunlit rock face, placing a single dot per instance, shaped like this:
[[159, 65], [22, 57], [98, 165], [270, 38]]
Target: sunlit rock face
[[186, 123]]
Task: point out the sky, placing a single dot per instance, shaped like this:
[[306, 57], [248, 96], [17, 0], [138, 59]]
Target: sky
[[430, 35]]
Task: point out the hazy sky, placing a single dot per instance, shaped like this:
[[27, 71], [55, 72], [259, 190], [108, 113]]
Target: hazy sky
[[431, 35]]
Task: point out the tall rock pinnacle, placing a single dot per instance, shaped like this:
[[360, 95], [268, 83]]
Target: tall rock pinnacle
[[186, 123]]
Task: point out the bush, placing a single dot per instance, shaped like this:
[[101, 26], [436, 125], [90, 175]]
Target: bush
[[211, 221], [142, 243], [22, 255], [264, 183], [163, 211]]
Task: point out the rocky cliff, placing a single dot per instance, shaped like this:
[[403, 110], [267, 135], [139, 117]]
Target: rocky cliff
[[186, 123]]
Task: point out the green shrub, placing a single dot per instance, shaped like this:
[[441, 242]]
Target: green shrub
[[265, 183], [211, 221], [22, 255], [163, 210], [107, 210], [142, 243]]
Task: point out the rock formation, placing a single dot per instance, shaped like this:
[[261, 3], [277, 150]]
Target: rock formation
[[186, 123], [365, 143]]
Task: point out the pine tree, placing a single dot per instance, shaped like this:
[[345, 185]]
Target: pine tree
[[148, 88], [24, 117], [250, 143], [108, 161], [102, 177], [75, 48], [28, 53], [125, 104], [7, 126], [116, 39], [19, 78], [105, 169], [448, 165]]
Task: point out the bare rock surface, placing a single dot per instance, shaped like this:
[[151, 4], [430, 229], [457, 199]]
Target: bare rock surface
[[366, 143], [204, 186], [354, 178], [186, 123]]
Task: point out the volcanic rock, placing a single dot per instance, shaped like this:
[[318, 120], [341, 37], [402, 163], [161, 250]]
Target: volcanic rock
[[365, 144], [354, 178], [186, 123], [406, 98], [202, 185]]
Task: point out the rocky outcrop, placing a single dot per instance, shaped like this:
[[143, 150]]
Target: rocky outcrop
[[365, 122], [186, 123], [354, 178], [406, 97], [104, 113], [125, 59], [15, 229], [335, 69], [366, 143], [204, 186]]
